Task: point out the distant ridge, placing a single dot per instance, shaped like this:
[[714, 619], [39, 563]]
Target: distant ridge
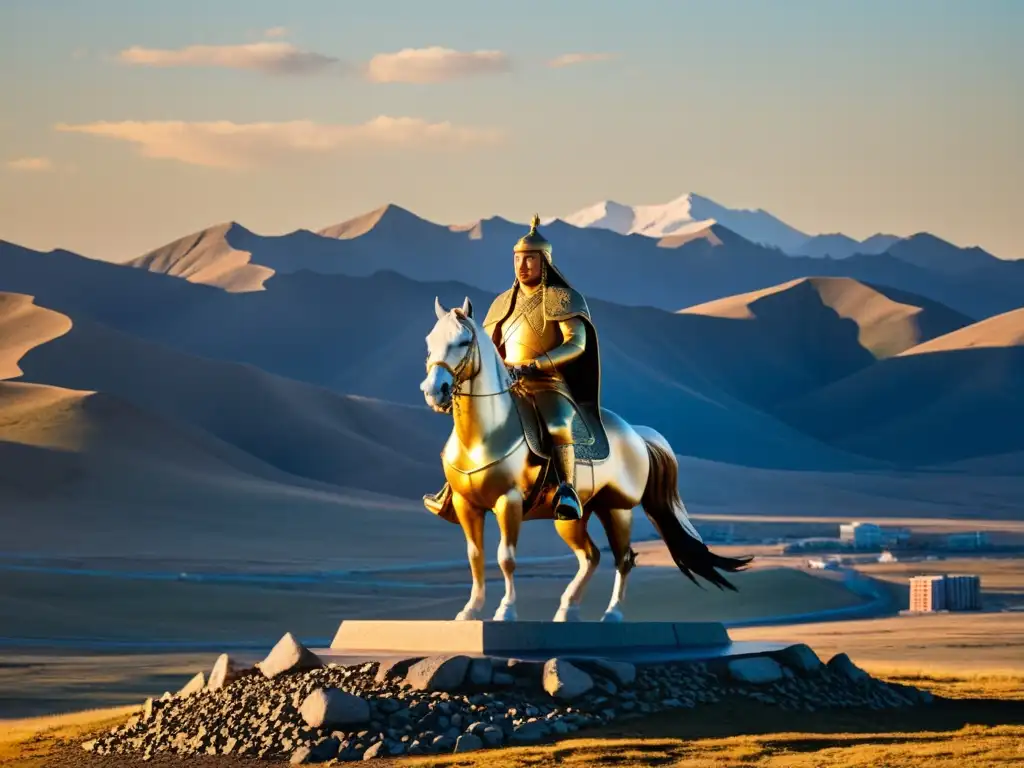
[[954, 398], [710, 261], [888, 321], [684, 215], [209, 257]]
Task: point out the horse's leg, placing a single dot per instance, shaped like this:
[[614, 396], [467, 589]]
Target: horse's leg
[[574, 533], [472, 519], [509, 512], [618, 524]]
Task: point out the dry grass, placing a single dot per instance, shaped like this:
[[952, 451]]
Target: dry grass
[[960, 733], [951, 644]]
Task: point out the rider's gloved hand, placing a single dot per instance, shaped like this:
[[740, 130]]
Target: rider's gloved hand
[[524, 371]]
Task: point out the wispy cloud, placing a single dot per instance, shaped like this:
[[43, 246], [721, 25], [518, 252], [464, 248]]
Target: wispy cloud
[[571, 59], [434, 65], [275, 32], [225, 144], [265, 56], [31, 164]]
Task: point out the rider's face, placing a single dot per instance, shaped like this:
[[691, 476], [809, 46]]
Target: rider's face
[[528, 268]]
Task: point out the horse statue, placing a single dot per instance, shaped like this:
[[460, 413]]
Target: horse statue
[[494, 460]]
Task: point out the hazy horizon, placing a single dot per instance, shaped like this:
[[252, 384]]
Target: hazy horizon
[[125, 128]]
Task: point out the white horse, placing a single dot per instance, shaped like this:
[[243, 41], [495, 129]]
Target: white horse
[[489, 465]]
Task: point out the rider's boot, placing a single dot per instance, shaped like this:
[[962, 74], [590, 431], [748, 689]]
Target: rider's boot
[[566, 502], [436, 502]]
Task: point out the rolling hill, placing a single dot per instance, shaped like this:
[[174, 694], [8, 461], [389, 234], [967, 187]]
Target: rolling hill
[[954, 398], [364, 337], [301, 430], [885, 321]]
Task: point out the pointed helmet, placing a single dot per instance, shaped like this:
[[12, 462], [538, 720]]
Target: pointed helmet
[[534, 241]]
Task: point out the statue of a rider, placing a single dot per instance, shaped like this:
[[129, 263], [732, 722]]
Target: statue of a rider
[[543, 330]]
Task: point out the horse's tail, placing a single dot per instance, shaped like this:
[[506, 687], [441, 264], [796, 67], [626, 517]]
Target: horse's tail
[[665, 509]]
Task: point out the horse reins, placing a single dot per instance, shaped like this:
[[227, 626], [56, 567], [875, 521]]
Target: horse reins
[[458, 372]]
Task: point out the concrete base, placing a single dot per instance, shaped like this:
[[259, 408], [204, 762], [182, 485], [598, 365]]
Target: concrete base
[[495, 637], [633, 641]]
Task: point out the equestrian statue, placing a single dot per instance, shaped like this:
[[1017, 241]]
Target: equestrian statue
[[531, 441]]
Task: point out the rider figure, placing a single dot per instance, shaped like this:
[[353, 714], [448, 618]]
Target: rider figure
[[542, 329]]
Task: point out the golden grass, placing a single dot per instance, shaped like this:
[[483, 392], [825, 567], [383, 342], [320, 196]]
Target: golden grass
[[951, 644], [35, 741], [960, 733]]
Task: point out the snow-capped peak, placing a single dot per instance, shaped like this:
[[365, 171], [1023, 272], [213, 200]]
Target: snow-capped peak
[[686, 214]]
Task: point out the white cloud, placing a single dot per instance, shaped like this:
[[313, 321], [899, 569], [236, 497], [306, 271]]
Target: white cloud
[[571, 59], [31, 164], [224, 144], [275, 32], [434, 65], [274, 57]]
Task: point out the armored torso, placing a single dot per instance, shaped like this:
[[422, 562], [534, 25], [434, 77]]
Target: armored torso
[[525, 335]]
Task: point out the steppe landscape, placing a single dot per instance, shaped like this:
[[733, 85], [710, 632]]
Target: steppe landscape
[[240, 244], [223, 440]]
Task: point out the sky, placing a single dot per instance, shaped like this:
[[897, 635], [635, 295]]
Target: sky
[[125, 124]]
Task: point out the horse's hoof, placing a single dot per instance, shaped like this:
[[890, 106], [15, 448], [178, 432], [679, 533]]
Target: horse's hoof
[[505, 613], [467, 615], [612, 617], [567, 614]]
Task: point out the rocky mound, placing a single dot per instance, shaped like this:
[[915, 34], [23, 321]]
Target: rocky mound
[[291, 706]]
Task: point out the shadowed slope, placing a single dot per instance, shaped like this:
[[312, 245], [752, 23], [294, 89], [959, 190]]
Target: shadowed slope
[[302, 430], [955, 397], [887, 321], [365, 336], [209, 257], [23, 325]]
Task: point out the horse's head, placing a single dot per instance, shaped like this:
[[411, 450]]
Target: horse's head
[[450, 354]]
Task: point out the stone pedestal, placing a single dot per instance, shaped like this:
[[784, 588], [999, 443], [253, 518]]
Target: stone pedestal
[[491, 638], [633, 641]]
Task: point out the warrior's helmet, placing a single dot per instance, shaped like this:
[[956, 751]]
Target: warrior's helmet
[[534, 241]]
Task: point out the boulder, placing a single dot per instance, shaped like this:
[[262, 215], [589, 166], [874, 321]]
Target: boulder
[[502, 679], [800, 658], [755, 669], [334, 708], [289, 655], [842, 665], [525, 669], [394, 668], [467, 742], [480, 672], [622, 673], [377, 749], [194, 685], [564, 681], [224, 672], [529, 733], [492, 736], [438, 673]]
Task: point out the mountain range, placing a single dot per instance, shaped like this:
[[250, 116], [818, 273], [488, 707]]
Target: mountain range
[[670, 272], [234, 371], [691, 214]]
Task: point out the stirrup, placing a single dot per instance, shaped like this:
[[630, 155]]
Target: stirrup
[[567, 503], [435, 502]]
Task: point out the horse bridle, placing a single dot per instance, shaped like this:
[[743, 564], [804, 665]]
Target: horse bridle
[[458, 371], [460, 368]]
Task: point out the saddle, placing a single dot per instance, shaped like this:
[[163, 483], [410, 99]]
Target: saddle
[[589, 437], [588, 434]]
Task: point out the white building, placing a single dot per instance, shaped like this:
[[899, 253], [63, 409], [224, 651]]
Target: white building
[[862, 535]]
